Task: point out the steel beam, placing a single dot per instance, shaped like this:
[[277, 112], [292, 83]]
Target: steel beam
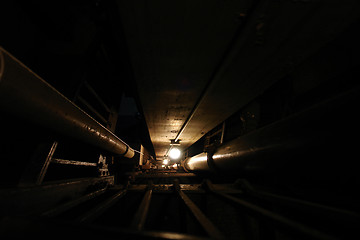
[[272, 216], [26, 201], [139, 219], [27, 95], [95, 212], [68, 205], [72, 162], [331, 213], [207, 225]]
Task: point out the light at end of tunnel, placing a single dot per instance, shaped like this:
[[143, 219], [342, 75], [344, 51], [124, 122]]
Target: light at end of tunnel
[[174, 153], [165, 162]]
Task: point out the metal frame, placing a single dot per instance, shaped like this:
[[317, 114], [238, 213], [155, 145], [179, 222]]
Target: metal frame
[[271, 216], [207, 225]]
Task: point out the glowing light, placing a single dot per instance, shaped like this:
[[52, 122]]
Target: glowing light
[[174, 153], [165, 161]]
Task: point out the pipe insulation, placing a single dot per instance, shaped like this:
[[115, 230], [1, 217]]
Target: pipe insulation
[[28, 96]]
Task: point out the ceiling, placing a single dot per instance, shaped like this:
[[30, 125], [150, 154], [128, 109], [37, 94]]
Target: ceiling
[[197, 62]]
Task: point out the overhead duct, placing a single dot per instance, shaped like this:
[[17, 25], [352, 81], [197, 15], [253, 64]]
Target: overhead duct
[[25, 94]]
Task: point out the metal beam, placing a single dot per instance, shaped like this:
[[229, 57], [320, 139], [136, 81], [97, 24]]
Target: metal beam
[[139, 219], [272, 216], [92, 214], [36, 170], [68, 205], [72, 162], [345, 216], [38, 199], [27, 95], [207, 225]]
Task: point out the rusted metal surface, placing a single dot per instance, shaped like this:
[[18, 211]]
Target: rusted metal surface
[[27, 95], [72, 162]]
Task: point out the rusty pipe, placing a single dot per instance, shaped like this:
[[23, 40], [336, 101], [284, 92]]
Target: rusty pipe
[[25, 94]]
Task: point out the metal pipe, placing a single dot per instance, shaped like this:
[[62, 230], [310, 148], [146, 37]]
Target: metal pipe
[[304, 138], [27, 95], [197, 163]]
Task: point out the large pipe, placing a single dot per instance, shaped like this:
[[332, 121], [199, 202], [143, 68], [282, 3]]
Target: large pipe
[[27, 95], [316, 139]]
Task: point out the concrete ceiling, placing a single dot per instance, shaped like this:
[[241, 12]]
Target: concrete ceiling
[[207, 59]]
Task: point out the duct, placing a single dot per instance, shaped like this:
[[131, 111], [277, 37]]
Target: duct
[[26, 95], [312, 140]]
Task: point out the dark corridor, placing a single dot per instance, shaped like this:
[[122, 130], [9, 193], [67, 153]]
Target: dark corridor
[[216, 119]]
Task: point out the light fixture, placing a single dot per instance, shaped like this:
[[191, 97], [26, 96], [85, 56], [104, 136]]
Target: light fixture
[[165, 161], [174, 153]]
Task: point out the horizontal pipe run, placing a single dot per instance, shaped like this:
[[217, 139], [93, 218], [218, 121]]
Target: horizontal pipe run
[[26, 95], [308, 138]]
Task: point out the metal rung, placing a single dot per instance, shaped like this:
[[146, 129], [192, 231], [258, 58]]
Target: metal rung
[[141, 214], [101, 208], [72, 162], [66, 206], [274, 217]]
